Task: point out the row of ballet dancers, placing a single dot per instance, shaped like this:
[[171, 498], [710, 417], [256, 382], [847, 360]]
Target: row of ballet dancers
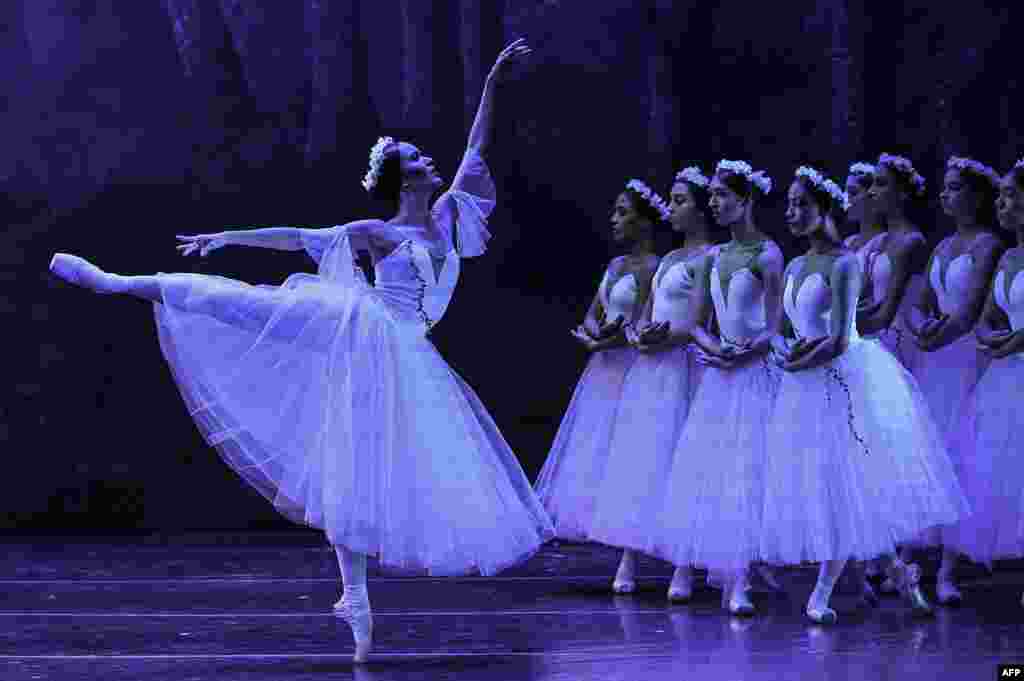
[[853, 404]]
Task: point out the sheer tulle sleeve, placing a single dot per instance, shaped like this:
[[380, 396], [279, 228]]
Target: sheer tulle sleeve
[[317, 241], [465, 207]]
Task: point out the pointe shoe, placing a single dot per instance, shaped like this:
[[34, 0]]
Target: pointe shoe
[[81, 272], [624, 582], [681, 588], [907, 578], [740, 604], [824, 616], [947, 593], [360, 619]]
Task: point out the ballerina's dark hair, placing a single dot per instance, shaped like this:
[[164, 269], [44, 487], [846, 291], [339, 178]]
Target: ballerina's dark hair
[[701, 195], [831, 208], [389, 178], [644, 207]]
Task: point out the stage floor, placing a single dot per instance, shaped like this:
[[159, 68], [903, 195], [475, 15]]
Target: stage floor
[[232, 606]]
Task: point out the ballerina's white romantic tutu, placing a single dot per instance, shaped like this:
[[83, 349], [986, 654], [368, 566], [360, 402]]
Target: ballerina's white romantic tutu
[[326, 396], [856, 464], [573, 472], [989, 439], [656, 398]]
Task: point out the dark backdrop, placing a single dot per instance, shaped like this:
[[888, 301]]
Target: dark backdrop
[[127, 121]]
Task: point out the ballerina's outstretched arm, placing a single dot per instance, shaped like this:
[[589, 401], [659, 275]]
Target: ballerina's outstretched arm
[[481, 133], [278, 238]]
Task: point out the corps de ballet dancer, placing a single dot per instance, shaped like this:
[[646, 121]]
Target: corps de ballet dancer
[[958, 275], [989, 431], [658, 389], [575, 467], [855, 463], [892, 258], [325, 393], [711, 513]]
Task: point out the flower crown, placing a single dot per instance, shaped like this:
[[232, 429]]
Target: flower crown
[[760, 179], [904, 166], [376, 159], [1020, 164], [972, 166], [826, 185], [650, 197], [863, 169], [692, 175]]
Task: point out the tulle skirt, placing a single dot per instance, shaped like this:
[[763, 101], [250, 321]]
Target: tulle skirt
[[575, 468], [947, 376], [349, 421], [656, 399], [990, 438], [855, 465], [711, 515]]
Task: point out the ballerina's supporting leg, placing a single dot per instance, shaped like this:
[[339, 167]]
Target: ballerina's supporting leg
[[736, 596], [817, 604], [625, 576], [354, 605], [945, 585]]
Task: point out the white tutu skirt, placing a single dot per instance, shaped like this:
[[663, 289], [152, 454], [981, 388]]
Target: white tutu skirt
[[990, 439], [855, 464], [947, 376], [656, 399], [711, 514], [569, 481], [349, 421]]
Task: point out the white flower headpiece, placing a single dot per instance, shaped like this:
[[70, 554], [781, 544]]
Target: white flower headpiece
[[692, 175], [826, 185], [650, 197], [1020, 164], [760, 179], [973, 166], [863, 169], [376, 159], [905, 166]]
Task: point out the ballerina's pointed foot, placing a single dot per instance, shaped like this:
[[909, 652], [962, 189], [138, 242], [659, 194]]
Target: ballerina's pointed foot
[[360, 619], [740, 604], [624, 582], [823, 615], [623, 586], [81, 272], [907, 578], [681, 588], [947, 593]]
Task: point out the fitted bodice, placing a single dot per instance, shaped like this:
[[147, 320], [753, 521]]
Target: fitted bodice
[[951, 290], [739, 303], [1009, 296], [809, 308], [673, 292], [875, 266], [409, 270], [619, 299]]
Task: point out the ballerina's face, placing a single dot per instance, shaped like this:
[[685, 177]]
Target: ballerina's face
[[727, 206], [625, 219], [803, 215], [861, 206], [684, 210], [958, 201], [885, 193], [418, 170], [1010, 205]]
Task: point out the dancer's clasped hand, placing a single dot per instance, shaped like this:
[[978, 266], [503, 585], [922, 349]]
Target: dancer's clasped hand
[[203, 243]]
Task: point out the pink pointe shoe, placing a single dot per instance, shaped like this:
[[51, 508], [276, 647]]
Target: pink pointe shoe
[[360, 619]]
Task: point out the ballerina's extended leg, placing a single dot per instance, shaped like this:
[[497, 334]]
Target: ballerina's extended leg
[[81, 272], [354, 605], [817, 605], [625, 576]]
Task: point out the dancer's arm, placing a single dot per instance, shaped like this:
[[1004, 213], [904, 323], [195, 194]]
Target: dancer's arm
[[993, 325], [986, 256], [361, 233], [480, 134], [782, 342], [770, 262], [924, 313], [880, 316], [641, 333], [698, 312], [845, 284]]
